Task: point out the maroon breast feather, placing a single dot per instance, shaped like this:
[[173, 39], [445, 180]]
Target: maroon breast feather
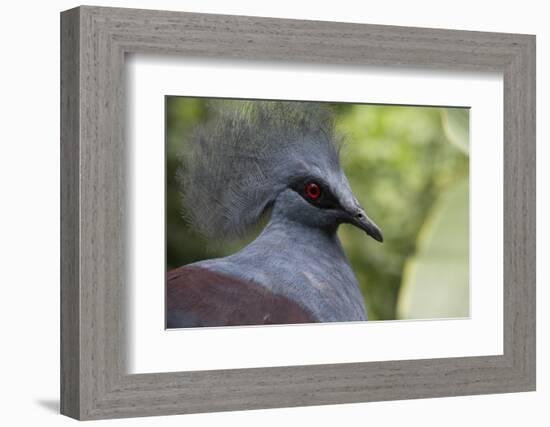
[[199, 297]]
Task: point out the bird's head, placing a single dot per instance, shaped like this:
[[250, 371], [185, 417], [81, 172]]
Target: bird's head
[[283, 155], [318, 202]]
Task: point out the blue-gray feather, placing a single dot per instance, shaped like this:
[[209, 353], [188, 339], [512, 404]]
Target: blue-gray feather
[[242, 161], [306, 265], [238, 162]]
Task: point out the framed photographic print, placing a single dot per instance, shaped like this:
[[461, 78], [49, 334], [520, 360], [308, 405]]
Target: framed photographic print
[[294, 268], [262, 213]]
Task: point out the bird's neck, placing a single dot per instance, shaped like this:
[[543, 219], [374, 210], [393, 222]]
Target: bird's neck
[[288, 243], [305, 264], [283, 229]]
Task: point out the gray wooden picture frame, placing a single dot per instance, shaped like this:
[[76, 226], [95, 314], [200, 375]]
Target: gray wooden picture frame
[[94, 41]]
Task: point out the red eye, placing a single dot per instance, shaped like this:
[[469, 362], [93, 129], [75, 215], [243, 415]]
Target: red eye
[[313, 190]]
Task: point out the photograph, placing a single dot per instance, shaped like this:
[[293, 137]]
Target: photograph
[[293, 212]]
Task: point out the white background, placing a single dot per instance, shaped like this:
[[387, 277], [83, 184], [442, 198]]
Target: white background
[[152, 349], [29, 215]]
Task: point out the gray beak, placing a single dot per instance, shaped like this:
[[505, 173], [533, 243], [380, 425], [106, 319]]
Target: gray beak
[[360, 219]]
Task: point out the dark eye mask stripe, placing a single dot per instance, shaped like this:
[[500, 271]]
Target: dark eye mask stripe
[[326, 200]]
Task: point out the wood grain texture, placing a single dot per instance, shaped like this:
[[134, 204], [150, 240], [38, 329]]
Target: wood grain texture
[[70, 292], [94, 382]]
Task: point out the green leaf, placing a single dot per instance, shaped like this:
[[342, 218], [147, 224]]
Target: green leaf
[[436, 279], [456, 124]]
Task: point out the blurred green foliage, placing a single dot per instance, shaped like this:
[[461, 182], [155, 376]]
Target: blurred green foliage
[[399, 160], [435, 279]]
